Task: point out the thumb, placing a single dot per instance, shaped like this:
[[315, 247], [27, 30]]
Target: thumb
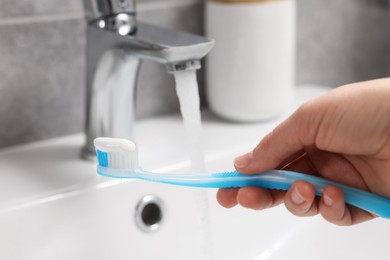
[[284, 143]]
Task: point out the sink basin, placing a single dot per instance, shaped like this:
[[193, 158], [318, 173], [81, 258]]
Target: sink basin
[[54, 206]]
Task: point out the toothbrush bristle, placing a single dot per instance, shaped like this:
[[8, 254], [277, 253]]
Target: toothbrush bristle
[[116, 153], [102, 158]]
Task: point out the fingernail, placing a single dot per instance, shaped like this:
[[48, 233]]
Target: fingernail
[[243, 160], [327, 200], [297, 197]]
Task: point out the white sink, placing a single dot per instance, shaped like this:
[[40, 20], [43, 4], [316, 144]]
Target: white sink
[[54, 206]]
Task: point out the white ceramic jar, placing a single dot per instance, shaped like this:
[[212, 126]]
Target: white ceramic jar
[[251, 70]]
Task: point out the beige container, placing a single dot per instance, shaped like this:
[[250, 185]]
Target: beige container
[[251, 70]]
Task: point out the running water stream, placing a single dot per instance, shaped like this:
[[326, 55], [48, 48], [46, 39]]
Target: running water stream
[[188, 93]]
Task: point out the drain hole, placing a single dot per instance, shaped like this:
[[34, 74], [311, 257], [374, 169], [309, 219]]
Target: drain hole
[[151, 214]]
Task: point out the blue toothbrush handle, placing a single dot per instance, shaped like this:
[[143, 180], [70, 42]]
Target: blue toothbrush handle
[[283, 180], [275, 179]]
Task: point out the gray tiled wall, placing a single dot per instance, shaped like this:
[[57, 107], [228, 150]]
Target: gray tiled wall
[[342, 41], [42, 57]]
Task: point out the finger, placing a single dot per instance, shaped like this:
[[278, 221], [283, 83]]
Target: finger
[[242, 161], [287, 139], [300, 199], [338, 168], [258, 199], [332, 207], [301, 164], [292, 159], [227, 197]]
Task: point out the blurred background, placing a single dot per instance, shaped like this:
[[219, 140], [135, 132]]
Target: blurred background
[[42, 44]]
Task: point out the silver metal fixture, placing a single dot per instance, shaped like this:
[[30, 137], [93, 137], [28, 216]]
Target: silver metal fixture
[[116, 44], [149, 213], [97, 9]]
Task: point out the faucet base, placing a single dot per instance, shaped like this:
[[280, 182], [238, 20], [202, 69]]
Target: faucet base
[[88, 155]]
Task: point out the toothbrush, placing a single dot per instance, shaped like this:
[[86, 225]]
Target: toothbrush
[[118, 158]]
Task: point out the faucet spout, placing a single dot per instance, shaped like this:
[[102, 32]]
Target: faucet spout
[[161, 44], [169, 46], [113, 57]]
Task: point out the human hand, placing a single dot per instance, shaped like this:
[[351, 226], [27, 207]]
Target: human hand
[[342, 136]]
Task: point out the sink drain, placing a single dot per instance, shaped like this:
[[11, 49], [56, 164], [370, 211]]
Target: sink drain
[[149, 213]]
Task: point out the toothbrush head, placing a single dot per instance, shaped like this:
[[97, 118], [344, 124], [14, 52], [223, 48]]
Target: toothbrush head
[[116, 153]]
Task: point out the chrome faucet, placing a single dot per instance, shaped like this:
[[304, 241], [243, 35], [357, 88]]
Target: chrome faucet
[[116, 43]]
